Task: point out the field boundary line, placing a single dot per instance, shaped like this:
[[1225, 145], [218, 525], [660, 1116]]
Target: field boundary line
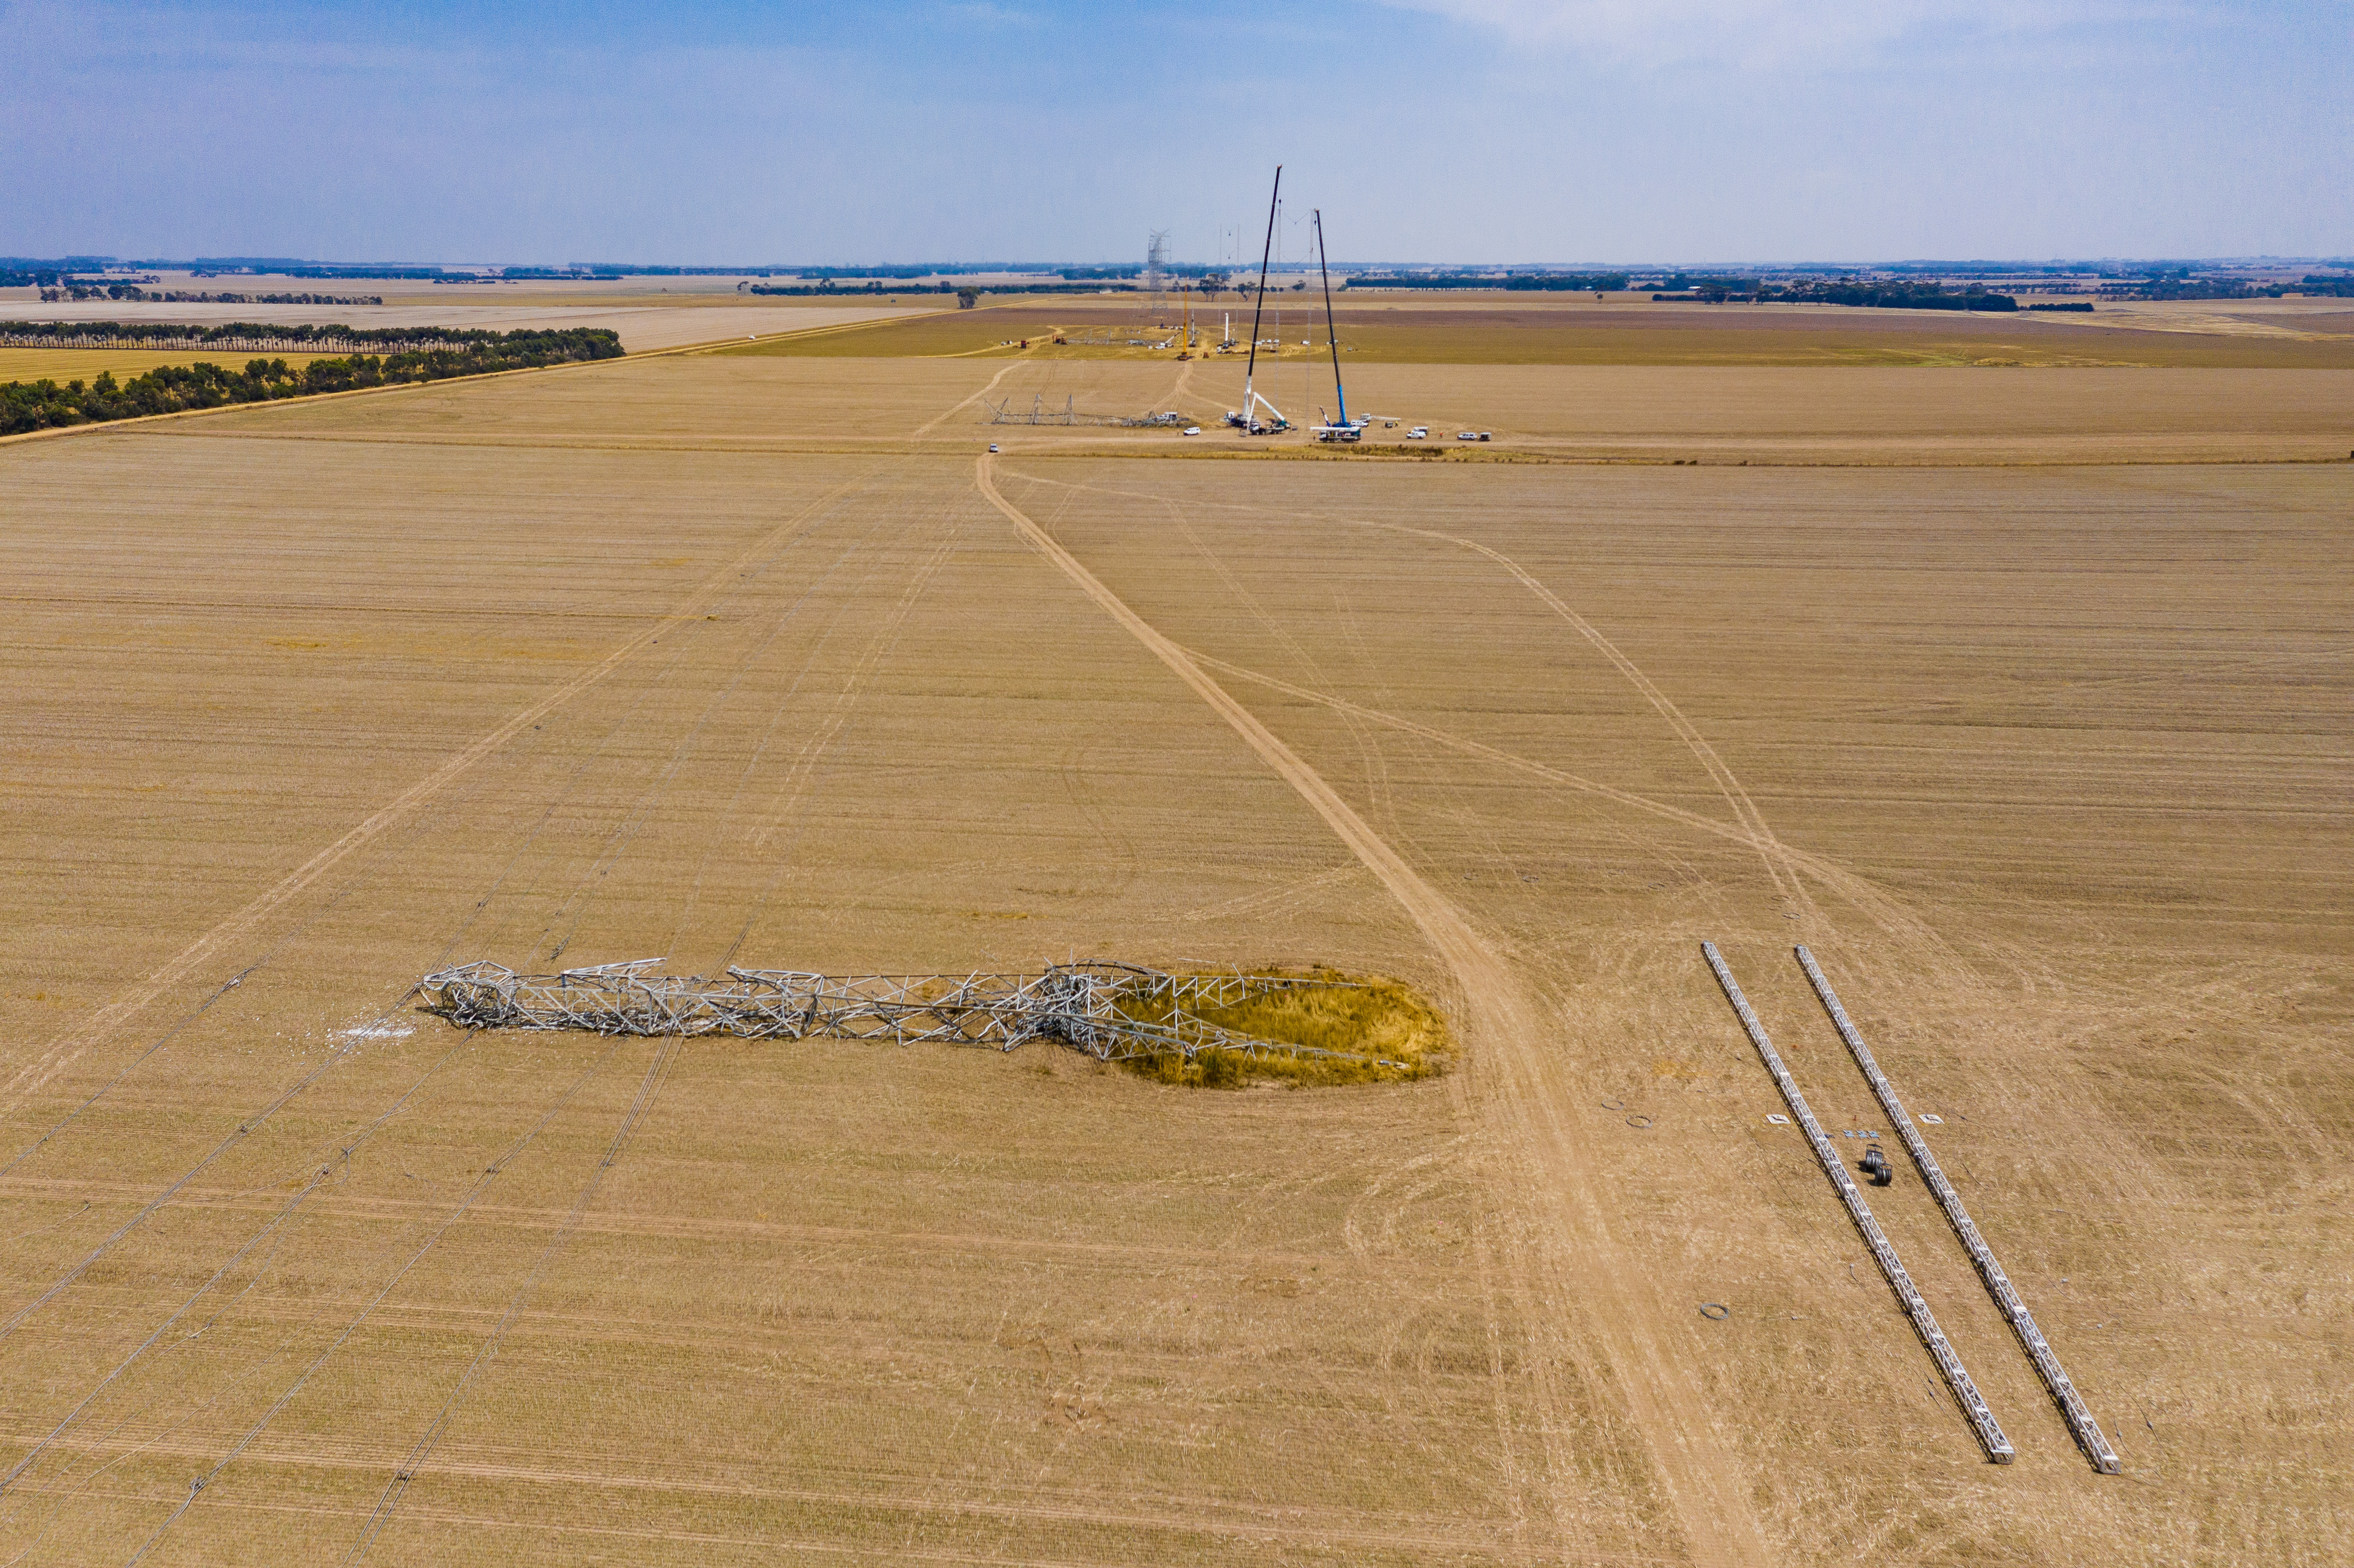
[[1924, 1322], [1711, 1513], [2013, 1307], [44, 1067]]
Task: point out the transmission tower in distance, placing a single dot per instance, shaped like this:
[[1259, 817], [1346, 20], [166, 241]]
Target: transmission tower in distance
[[1156, 272]]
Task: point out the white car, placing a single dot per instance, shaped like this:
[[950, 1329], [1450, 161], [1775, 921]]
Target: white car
[[1193, 431], [1466, 434], [993, 446], [1419, 433]]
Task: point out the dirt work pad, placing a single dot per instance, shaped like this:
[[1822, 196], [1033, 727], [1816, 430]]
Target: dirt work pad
[[764, 661]]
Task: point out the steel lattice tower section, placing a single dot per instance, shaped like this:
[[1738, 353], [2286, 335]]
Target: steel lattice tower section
[[1156, 272]]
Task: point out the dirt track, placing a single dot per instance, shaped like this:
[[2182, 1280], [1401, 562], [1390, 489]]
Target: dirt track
[[2044, 763]]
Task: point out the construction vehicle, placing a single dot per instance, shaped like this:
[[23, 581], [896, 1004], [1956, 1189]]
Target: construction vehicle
[[1246, 418], [1344, 429]]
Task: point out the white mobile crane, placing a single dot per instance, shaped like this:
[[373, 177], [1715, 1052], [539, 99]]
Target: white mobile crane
[[1246, 419]]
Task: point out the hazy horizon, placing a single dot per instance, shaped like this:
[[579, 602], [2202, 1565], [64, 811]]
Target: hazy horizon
[[655, 267], [2079, 129]]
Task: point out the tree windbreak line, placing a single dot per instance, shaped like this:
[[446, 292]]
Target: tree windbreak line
[[1896, 295], [1891, 296], [27, 406], [2338, 287], [829, 288], [1575, 282], [77, 290], [236, 334]]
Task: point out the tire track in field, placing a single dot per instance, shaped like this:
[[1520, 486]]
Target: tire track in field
[[1186, 1519], [953, 409], [1771, 850], [1878, 907], [682, 922], [286, 1212], [625, 832], [482, 1183], [626, 826], [397, 1489], [246, 1125], [68, 1047], [786, 805], [1551, 1440], [1709, 1506]]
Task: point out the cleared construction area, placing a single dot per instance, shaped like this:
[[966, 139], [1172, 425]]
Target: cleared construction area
[[754, 662]]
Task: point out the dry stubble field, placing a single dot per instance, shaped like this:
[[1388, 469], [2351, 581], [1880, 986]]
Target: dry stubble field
[[742, 659]]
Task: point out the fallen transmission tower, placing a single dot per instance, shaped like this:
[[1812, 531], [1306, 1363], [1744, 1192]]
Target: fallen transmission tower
[[1114, 1012], [1040, 413]]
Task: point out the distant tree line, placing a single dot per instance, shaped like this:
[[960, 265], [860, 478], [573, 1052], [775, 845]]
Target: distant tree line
[[184, 297], [44, 405], [1891, 295], [1901, 296], [37, 333], [1574, 282], [2340, 286], [830, 288]]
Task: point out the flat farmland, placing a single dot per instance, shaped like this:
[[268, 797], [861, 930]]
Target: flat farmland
[[1496, 330], [62, 364], [2039, 745], [645, 323]]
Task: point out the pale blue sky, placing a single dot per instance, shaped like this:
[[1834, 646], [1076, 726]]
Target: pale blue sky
[[1427, 129]]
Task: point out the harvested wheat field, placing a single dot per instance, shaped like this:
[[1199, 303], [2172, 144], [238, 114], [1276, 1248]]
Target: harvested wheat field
[[2023, 698], [1500, 330]]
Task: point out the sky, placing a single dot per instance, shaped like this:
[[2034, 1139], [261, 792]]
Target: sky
[[1431, 131]]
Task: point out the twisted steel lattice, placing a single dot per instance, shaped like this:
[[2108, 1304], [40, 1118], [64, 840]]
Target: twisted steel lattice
[[1114, 1012]]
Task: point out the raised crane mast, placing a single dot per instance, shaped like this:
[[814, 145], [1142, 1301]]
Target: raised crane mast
[[1247, 420], [1339, 430]]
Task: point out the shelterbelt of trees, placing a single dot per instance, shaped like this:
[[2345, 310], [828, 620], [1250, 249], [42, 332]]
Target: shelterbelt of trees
[[1565, 283], [231, 333], [830, 287], [1895, 296], [27, 406], [183, 297]]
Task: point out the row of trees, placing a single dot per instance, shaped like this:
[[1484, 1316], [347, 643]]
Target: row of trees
[[1567, 282], [389, 339], [2337, 286], [184, 297], [1898, 296], [43, 404]]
